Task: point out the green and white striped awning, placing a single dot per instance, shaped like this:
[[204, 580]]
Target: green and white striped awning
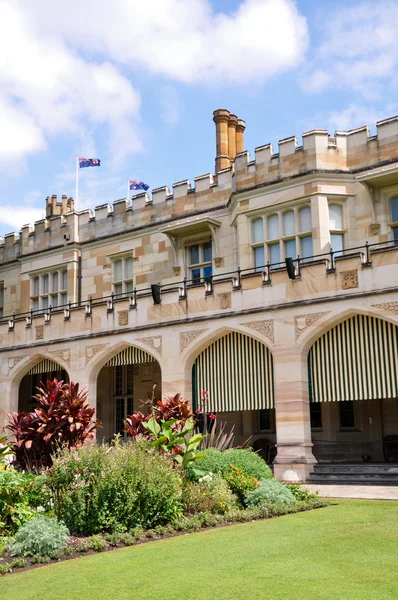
[[356, 360], [130, 356], [237, 373], [45, 366]]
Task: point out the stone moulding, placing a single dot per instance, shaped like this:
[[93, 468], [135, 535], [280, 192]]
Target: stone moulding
[[266, 328], [62, 354], [302, 322], [13, 361], [187, 337], [91, 351], [389, 306], [155, 342]]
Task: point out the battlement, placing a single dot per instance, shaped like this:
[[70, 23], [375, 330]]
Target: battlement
[[345, 152]]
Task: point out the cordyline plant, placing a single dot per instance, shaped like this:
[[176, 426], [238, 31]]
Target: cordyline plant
[[172, 408], [63, 418]]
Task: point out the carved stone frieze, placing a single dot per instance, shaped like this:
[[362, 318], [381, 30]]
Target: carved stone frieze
[[224, 300], [389, 306], [62, 354], [187, 337], [266, 328], [13, 361], [154, 342], [302, 322], [91, 351], [123, 317], [349, 280], [39, 332]]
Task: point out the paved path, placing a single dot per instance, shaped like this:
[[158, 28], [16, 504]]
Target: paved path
[[371, 492]]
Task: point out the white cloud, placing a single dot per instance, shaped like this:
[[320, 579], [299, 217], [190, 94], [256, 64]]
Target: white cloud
[[16, 216], [352, 117], [358, 52]]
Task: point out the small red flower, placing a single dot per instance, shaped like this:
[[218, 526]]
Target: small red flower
[[204, 394], [212, 416], [197, 411]]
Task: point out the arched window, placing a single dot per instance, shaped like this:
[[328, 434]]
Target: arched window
[[394, 217], [336, 227]]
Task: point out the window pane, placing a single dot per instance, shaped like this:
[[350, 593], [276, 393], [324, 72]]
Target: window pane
[[259, 259], [118, 289], [1, 296], [195, 275], [1, 312], [119, 416], [207, 252], [63, 299], [35, 286], [129, 406], [336, 241], [273, 227], [35, 304], [194, 255], [316, 414], [117, 270], [44, 302], [64, 280], [290, 249], [274, 253], [335, 216], [129, 268], [347, 416], [305, 219], [129, 287], [45, 284], [395, 234], [394, 209], [257, 231], [207, 272], [118, 380], [306, 246], [265, 419], [55, 282], [54, 301], [129, 381], [288, 223]]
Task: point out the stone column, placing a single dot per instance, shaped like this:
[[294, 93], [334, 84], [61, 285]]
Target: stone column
[[221, 119], [240, 128], [232, 124], [293, 429], [320, 224]]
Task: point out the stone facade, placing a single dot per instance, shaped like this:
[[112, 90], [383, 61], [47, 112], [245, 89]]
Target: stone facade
[[353, 170]]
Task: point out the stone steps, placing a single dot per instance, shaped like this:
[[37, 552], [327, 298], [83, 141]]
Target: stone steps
[[355, 474]]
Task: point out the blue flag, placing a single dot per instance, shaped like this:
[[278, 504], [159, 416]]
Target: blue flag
[[135, 184], [89, 162]]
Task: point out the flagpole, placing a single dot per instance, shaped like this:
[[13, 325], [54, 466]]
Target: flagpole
[[128, 189], [77, 182]]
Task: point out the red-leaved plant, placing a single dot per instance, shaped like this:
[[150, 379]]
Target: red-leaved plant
[[63, 418], [172, 407]]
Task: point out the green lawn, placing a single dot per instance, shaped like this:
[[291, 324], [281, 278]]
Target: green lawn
[[348, 550]]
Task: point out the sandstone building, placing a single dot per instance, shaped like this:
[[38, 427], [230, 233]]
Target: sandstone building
[[304, 357]]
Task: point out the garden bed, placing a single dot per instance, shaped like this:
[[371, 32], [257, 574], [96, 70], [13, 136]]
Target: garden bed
[[79, 546]]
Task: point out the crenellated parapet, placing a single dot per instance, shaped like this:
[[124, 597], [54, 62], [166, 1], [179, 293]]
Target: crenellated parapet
[[344, 152]]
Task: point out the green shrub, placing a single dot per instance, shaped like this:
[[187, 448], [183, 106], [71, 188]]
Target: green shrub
[[22, 496], [114, 489], [270, 491], [216, 461], [42, 536], [210, 494], [4, 568], [240, 482], [96, 542], [19, 563], [300, 493], [37, 559]]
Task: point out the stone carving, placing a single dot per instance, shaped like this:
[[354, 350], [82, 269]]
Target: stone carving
[[93, 350], [154, 342], [187, 337], [123, 316], [349, 280], [266, 328], [62, 354], [39, 332], [14, 360], [302, 322], [225, 300], [390, 306]]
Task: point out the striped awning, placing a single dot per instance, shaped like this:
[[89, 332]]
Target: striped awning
[[237, 373], [356, 360], [45, 366], [130, 356]]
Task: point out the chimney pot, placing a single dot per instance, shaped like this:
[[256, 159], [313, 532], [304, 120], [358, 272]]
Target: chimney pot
[[221, 120], [240, 128]]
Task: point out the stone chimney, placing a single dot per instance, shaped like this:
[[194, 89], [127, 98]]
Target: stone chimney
[[54, 208], [229, 137]]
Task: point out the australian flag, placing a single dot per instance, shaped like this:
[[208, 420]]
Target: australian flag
[[89, 162], [135, 184]]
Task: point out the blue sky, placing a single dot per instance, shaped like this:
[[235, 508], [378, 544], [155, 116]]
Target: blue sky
[[135, 84]]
